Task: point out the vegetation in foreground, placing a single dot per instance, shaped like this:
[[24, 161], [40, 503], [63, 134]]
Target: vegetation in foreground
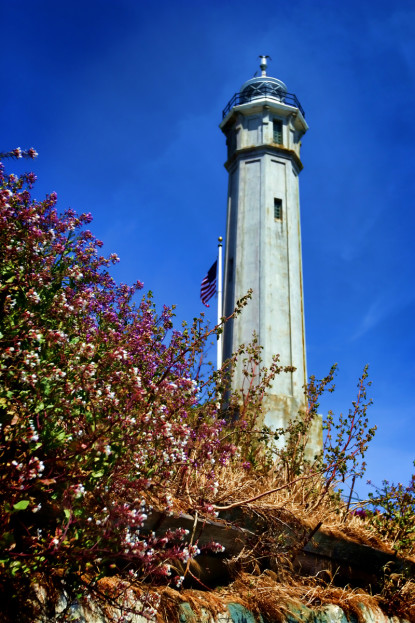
[[108, 412]]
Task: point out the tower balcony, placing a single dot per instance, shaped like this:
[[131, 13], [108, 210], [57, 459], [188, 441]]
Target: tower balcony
[[263, 90]]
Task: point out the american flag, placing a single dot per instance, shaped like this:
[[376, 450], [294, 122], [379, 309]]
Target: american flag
[[208, 285]]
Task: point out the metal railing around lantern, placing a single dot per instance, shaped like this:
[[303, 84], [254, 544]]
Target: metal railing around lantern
[[264, 91]]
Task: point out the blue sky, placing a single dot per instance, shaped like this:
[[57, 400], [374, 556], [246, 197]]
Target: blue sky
[[122, 100]]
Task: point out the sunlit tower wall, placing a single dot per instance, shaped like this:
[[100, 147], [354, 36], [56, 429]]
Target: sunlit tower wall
[[264, 125]]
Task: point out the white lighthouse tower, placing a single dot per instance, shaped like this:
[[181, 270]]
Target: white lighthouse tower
[[263, 125]]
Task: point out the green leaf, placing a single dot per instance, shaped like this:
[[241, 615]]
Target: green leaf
[[97, 474], [67, 513], [60, 436], [22, 505], [8, 539]]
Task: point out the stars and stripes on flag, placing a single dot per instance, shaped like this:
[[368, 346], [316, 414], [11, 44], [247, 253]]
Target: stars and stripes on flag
[[208, 285]]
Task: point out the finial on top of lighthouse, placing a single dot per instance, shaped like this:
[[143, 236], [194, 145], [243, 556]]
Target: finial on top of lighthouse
[[263, 64]]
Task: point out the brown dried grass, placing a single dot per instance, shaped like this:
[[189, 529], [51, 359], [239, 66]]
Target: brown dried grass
[[303, 500], [266, 595], [299, 507]]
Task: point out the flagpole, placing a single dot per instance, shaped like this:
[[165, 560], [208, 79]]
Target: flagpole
[[219, 343]]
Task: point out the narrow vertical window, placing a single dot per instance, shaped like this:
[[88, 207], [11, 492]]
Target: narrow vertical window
[[278, 209], [277, 131], [231, 142], [230, 269]]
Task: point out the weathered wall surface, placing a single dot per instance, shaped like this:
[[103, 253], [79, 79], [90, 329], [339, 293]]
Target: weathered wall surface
[[234, 613]]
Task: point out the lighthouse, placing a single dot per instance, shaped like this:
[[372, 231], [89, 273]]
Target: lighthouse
[[264, 125]]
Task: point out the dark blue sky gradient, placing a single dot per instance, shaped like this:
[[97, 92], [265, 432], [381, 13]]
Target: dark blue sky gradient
[[122, 100]]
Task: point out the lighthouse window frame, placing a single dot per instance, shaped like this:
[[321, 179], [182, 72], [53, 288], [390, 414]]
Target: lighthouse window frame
[[277, 131], [278, 209]]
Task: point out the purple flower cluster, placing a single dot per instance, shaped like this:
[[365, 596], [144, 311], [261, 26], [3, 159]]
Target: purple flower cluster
[[99, 402]]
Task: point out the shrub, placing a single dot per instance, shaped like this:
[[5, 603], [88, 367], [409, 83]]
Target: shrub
[[393, 514], [98, 401]]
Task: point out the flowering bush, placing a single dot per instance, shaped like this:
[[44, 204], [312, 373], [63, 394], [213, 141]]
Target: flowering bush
[[393, 514], [98, 401]]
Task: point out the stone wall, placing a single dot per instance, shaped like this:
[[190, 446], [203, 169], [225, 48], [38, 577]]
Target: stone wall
[[234, 613]]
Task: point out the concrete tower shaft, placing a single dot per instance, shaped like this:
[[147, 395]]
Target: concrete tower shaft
[[263, 125]]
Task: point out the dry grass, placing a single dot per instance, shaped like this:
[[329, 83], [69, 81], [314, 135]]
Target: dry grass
[[266, 595], [170, 601], [302, 501], [295, 509], [274, 595]]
